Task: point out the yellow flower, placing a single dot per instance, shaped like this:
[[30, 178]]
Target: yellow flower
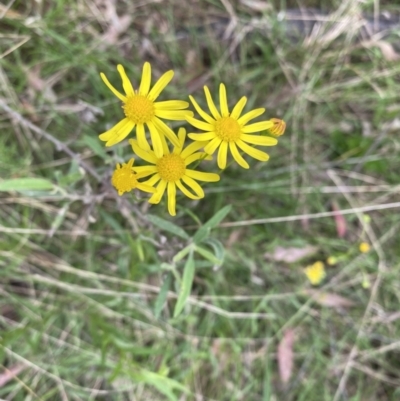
[[141, 109], [364, 247], [315, 273], [171, 172], [279, 127], [124, 179], [332, 260], [227, 129]]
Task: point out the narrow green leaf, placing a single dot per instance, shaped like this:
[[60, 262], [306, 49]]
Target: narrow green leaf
[[96, 146], [204, 231], [167, 226], [201, 234], [163, 384], [219, 249], [26, 184], [218, 217], [208, 255], [162, 295], [181, 254], [186, 285]]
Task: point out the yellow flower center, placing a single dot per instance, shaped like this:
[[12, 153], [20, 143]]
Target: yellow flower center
[[139, 109], [171, 167], [228, 129], [124, 179]]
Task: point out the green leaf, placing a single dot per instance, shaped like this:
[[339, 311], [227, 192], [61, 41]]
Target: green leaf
[[208, 255], [186, 285], [181, 254], [163, 384], [219, 249], [162, 295], [167, 226], [204, 231], [26, 184], [96, 146]]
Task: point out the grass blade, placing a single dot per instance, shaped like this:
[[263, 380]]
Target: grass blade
[[162, 295], [26, 184], [203, 231], [186, 286]]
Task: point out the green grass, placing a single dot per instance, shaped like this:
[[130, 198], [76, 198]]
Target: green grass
[[82, 269]]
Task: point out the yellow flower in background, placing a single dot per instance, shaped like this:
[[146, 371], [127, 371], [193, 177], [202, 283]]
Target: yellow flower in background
[[170, 171], [124, 179], [315, 273], [226, 129], [140, 109], [332, 260], [364, 247]]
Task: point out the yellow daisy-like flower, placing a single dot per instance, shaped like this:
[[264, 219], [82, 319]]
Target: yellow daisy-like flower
[[124, 179], [315, 273], [227, 129], [171, 172], [141, 109]]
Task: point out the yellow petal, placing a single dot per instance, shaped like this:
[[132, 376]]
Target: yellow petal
[[126, 83], [211, 104], [164, 145], [119, 95], [163, 128], [181, 138], [202, 113], [153, 180], [201, 176], [237, 156], [144, 171], [259, 140], [239, 108], [202, 137], [222, 153], [121, 134], [156, 198], [171, 198], [146, 79], [197, 156], [155, 140], [141, 137], [171, 105], [257, 154], [146, 188], [200, 124], [193, 147], [257, 127], [250, 116], [212, 146], [185, 191], [164, 80], [177, 115], [191, 183], [148, 156], [105, 136], [223, 102]]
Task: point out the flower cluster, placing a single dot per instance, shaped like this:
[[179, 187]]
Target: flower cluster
[[168, 168]]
